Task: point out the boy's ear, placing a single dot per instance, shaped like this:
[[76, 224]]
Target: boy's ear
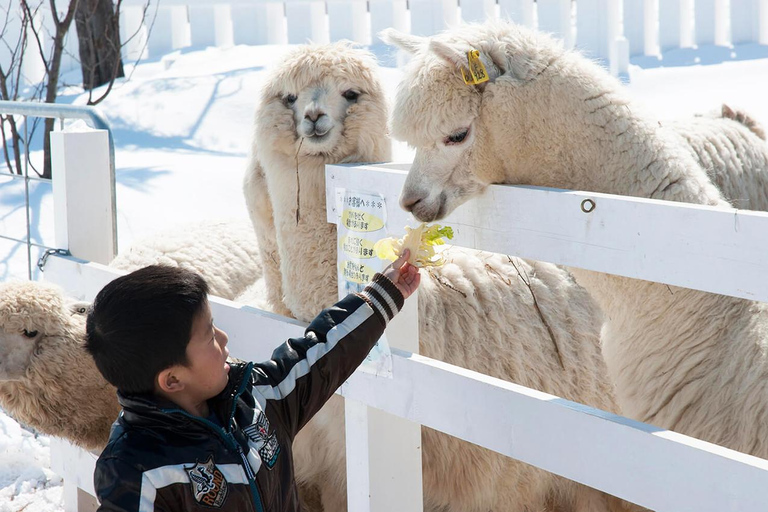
[[167, 381]]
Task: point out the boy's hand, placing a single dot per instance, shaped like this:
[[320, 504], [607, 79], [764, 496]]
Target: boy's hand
[[404, 275]]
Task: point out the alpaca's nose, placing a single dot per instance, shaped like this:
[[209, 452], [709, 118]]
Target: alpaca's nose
[[409, 203], [313, 115]]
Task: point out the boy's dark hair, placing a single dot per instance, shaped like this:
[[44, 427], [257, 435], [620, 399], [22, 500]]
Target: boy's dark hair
[[141, 323]]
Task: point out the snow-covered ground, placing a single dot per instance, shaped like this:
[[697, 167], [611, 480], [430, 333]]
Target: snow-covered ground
[[182, 127]]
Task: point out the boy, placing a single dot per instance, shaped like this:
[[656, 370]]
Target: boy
[[198, 432]]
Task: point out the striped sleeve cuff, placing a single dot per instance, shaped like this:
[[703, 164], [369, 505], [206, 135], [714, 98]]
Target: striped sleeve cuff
[[383, 297]]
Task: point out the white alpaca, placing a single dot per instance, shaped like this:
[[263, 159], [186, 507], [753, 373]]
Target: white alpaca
[[685, 360], [730, 146], [47, 379], [325, 105], [224, 252]]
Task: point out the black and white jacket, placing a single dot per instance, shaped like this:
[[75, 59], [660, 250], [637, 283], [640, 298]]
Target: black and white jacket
[[162, 459]]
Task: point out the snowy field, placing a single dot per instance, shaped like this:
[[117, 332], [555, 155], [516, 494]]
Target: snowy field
[[182, 128]]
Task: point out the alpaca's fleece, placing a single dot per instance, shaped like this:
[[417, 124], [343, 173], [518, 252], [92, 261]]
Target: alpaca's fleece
[[47, 379], [224, 252], [681, 359], [475, 311], [731, 148]]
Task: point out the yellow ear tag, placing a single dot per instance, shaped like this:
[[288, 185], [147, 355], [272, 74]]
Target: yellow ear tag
[[477, 71]]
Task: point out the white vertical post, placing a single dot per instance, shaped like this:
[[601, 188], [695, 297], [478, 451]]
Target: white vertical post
[[170, 31], [651, 22], [478, 10], [246, 28], [384, 451], [634, 25], [670, 24], [75, 466], [592, 28], [269, 24], [745, 21], [763, 28], [307, 21], [388, 13], [706, 23], [431, 16], [348, 19], [82, 194], [210, 25], [519, 11], [555, 18], [687, 24], [133, 32]]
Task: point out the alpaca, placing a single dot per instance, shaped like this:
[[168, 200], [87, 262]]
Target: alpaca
[[224, 252], [475, 311], [47, 380], [681, 359], [730, 146]]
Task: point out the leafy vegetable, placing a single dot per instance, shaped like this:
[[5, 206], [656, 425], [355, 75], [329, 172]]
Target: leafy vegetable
[[421, 241]]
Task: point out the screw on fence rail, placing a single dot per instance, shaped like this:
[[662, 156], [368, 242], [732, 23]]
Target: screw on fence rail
[[44, 258], [588, 206]]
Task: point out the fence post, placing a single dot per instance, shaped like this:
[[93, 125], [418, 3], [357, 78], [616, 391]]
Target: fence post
[[83, 200], [745, 21], [307, 21], [431, 16], [348, 19], [555, 18], [384, 451], [519, 11]]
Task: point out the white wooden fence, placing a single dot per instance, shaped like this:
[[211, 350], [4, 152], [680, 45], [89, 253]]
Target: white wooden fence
[[654, 240], [610, 30]]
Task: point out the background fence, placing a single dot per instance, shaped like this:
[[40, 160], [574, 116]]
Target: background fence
[[610, 30]]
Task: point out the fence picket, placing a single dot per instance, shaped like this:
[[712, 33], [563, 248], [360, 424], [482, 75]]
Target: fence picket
[[745, 21], [348, 19], [307, 21], [478, 10], [555, 18], [519, 11]]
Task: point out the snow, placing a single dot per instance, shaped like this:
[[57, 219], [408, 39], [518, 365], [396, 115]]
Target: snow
[[182, 127]]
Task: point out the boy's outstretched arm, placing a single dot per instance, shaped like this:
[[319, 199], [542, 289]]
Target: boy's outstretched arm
[[303, 373]]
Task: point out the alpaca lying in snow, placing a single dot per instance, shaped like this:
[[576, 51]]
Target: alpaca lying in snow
[[224, 252], [47, 380], [324, 105], [731, 147], [681, 359]]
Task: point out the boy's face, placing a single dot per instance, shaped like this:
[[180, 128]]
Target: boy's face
[[207, 371]]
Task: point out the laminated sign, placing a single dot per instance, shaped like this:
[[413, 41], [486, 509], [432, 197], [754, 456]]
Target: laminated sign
[[361, 224]]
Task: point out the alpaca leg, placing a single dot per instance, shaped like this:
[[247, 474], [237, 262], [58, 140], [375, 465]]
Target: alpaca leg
[[260, 210]]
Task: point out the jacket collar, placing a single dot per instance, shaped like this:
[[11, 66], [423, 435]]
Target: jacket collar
[[146, 409]]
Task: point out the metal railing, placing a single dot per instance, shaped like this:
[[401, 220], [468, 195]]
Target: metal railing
[[95, 119]]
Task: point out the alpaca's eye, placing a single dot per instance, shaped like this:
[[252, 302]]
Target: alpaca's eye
[[81, 310], [351, 95], [30, 334], [456, 138], [289, 99]]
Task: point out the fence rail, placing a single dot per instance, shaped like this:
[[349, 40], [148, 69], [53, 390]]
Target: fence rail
[[609, 30], [652, 467]]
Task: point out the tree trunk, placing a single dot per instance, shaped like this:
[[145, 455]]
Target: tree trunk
[[98, 36]]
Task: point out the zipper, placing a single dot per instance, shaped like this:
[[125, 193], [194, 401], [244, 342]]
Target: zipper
[[230, 440]]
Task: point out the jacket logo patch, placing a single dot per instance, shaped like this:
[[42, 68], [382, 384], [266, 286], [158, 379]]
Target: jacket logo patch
[[209, 486], [264, 442]]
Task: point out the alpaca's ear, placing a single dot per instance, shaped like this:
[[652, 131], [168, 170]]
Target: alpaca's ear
[[410, 43], [456, 56]]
